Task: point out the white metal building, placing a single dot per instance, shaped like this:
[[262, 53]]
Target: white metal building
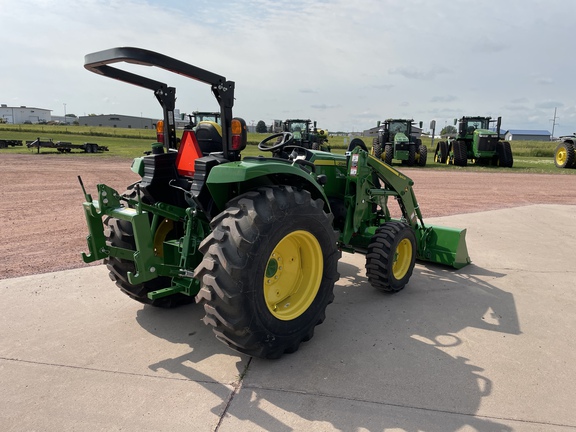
[[527, 135], [24, 114]]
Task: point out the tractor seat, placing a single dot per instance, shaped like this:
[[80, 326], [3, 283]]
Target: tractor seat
[[209, 137]]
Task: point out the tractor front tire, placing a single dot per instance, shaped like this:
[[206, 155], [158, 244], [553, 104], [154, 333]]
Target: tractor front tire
[[269, 269], [391, 257], [411, 155], [441, 153], [460, 153], [377, 148], [422, 155], [565, 155], [388, 154], [504, 151]]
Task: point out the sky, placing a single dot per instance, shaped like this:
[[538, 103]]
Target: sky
[[345, 64]]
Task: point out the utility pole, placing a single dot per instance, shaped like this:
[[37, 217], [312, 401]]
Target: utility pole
[[553, 122]]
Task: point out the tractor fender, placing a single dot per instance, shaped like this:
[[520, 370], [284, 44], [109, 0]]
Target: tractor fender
[[228, 180]]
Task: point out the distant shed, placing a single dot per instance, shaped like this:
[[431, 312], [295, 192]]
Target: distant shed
[[527, 135]]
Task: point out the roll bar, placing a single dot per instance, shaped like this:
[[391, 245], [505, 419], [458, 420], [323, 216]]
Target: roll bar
[[223, 90]]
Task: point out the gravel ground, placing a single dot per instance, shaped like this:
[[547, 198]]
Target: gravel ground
[[43, 227]]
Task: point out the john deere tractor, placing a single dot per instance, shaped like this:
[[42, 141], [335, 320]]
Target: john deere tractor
[[397, 140], [306, 134], [475, 141], [256, 240], [565, 153]]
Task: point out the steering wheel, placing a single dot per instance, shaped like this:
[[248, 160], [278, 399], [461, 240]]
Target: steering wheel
[[287, 138]]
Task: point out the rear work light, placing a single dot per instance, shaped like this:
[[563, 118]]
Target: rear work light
[[160, 131], [238, 128]]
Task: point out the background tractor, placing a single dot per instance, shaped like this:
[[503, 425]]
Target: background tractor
[[306, 134], [565, 153], [397, 140], [256, 240], [475, 141]]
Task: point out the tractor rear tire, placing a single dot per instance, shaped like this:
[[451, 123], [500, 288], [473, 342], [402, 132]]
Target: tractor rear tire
[[269, 269], [391, 257], [388, 154], [119, 233], [565, 155], [422, 155], [441, 153], [377, 148], [460, 153], [505, 158]]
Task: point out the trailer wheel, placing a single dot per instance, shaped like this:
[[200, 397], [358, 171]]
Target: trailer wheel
[[564, 155], [504, 152], [388, 154], [269, 269], [377, 148], [391, 257], [422, 155], [460, 153], [120, 233]]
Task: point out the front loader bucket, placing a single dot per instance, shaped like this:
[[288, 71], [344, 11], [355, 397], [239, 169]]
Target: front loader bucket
[[443, 245]]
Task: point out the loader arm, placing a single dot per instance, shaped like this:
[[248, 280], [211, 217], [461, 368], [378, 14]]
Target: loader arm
[[438, 244]]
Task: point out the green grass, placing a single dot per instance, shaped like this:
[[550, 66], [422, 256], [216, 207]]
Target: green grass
[[529, 156]]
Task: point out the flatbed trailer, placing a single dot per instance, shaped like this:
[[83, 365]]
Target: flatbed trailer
[[5, 143], [65, 147]]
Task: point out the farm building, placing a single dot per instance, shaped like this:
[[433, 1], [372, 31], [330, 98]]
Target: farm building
[[24, 114], [527, 135], [118, 120], [126, 121]]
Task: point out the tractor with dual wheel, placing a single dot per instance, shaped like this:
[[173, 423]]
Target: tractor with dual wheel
[[475, 142], [255, 240], [398, 140]]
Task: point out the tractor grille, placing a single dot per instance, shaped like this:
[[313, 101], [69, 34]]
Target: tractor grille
[[487, 143]]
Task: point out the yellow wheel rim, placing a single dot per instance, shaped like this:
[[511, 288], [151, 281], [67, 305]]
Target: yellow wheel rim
[[402, 259], [561, 156], [160, 236], [293, 274]]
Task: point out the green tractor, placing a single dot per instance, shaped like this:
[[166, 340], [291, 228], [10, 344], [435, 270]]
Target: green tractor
[[475, 141], [306, 134], [256, 240], [565, 152], [397, 140]]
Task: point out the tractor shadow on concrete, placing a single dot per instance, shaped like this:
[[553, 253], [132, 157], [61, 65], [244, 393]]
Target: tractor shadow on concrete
[[379, 356]]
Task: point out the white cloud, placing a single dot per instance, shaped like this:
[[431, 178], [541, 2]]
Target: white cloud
[[332, 59]]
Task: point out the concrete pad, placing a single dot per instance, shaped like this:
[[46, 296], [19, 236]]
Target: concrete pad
[[492, 340], [488, 347], [76, 351]]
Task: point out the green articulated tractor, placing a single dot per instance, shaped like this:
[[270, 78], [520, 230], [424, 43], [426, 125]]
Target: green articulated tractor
[[397, 140], [255, 240], [565, 152], [475, 141]]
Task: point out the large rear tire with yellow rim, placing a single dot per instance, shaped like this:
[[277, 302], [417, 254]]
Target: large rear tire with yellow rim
[[391, 256], [269, 269]]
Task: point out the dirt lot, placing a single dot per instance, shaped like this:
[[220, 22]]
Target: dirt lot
[[43, 227]]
